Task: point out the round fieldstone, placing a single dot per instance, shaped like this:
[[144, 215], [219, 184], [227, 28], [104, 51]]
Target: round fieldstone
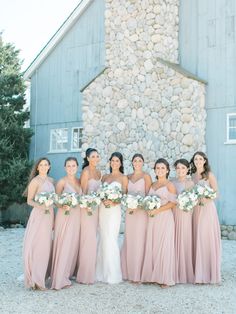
[[232, 235], [224, 233]]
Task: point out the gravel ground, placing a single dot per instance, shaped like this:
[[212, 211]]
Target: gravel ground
[[108, 299]]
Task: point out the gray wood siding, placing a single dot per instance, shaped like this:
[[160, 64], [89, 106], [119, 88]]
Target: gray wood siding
[[208, 49], [56, 84]]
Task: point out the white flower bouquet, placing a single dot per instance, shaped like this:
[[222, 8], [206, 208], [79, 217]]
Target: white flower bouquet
[[46, 198], [90, 201], [132, 202], [151, 202], [204, 191], [187, 200], [69, 199], [110, 192]]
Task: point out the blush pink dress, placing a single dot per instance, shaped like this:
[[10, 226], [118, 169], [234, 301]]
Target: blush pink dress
[[159, 259], [88, 241], [183, 239], [38, 243], [207, 242], [132, 253], [65, 244]]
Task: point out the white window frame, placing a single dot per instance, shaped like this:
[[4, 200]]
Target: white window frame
[[228, 140], [72, 132], [58, 150]]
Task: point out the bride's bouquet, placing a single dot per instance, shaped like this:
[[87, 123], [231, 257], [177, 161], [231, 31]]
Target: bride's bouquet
[[132, 202], [69, 199], [187, 200], [204, 191], [46, 198], [90, 201], [151, 202], [110, 192]]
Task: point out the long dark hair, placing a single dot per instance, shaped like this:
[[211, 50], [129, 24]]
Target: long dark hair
[[69, 159], [34, 172], [184, 162], [206, 166], [88, 152], [165, 162], [118, 155]]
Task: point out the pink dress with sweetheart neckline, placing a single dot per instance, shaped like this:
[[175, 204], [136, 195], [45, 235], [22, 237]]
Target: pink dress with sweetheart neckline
[[132, 253]]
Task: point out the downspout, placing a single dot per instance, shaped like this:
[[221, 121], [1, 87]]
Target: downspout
[[36, 113]]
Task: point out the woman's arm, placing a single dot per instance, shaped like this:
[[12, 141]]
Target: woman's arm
[[60, 186], [32, 191], [125, 182], [59, 190], [148, 183], [84, 178], [213, 183]]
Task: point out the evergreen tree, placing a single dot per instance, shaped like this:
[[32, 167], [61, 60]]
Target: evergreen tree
[[14, 137]]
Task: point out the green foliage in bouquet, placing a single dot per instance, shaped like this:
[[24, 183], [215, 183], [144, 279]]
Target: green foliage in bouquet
[[14, 136]]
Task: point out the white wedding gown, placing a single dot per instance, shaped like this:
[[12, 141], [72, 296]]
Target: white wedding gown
[[108, 267]]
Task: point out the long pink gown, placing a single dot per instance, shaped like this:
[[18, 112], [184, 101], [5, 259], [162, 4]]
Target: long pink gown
[[88, 241], [132, 253], [38, 242], [65, 245], [159, 259], [183, 239], [207, 242]]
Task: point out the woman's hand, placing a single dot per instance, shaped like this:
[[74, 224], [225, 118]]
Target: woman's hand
[[66, 207], [131, 211], [152, 213], [108, 203]]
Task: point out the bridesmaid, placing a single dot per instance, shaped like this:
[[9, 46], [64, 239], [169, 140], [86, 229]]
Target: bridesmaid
[[90, 182], [206, 228], [183, 228], [159, 259], [38, 234], [67, 230], [132, 253]]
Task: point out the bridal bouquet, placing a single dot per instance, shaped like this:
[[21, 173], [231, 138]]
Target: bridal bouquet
[[204, 191], [90, 201], [187, 200], [132, 202], [45, 198], [151, 202], [69, 199], [110, 192]]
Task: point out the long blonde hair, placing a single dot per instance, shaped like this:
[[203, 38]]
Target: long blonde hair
[[34, 172]]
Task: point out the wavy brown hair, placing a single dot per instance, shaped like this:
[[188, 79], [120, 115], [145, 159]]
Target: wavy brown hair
[[184, 162], [165, 162], [34, 172], [206, 166]]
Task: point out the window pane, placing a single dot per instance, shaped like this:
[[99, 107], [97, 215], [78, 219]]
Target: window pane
[[232, 133], [77, 138], [59, 139], [232, 121]]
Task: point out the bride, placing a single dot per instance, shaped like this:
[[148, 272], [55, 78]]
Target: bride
[[108, 268]]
